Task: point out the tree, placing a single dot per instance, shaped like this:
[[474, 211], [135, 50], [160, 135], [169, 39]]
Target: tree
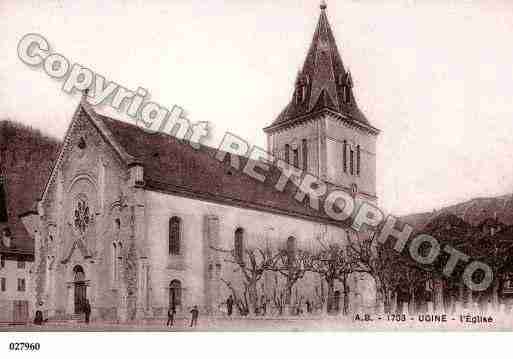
[[332, 263], [497, 251], [251, 266], [278, 297], [378, 260], [293, 267]]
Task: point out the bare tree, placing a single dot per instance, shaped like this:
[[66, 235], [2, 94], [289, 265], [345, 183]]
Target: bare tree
[[293, 267], [320, 295], [332, 263], [251, 265], [240, 300], [278, 297], [381, 262]]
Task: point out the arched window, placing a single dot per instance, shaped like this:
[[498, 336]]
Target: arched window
[[114, 262], [347, 95], [295, 152], [347, 88], [175, 293], [175, 224], [78, 274], [291, 250], [358, 160], [238, 245], [287, 153], [351, 161], [304, 147], [344, 155], [300, 94]]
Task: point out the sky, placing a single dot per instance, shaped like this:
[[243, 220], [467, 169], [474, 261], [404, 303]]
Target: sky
[[435, 76]]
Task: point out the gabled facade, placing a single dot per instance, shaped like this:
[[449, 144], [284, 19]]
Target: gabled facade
[[85, 225]]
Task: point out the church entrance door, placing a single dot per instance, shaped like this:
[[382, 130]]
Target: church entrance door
[[175, 294], [80, 289]]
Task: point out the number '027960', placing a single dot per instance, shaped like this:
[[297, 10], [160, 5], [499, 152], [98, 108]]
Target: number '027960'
[[24, 346]]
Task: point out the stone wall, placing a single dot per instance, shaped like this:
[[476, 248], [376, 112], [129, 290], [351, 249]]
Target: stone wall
[[89, 171], [337, 132], [197, 265]]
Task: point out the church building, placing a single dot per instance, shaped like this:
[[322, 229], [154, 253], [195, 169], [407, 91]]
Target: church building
[[137, 222]]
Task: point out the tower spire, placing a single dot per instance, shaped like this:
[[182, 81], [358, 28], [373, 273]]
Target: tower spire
[[323, 82]]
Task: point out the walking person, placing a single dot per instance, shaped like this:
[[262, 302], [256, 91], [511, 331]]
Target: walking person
[[229, 305], [87, 311], [263, 303], [194, 316], [38, 320], [171, 316]]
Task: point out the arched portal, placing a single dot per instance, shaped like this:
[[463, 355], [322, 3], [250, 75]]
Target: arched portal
[[80, 289], [175, 294]]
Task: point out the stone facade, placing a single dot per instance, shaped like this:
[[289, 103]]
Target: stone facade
[[324, 138], [85, 213], [136, 223], [205, 226]]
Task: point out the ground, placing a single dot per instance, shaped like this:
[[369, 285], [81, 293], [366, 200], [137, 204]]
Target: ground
[[313, 323]]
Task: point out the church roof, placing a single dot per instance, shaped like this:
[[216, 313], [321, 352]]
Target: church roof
[[174, 166], [322, 83]]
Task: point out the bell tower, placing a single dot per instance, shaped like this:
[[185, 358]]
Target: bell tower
[[322, 130]]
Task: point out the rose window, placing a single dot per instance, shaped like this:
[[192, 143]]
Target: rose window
[[82, 216]]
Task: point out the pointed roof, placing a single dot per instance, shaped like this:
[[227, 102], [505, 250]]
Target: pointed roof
[[323, 82]]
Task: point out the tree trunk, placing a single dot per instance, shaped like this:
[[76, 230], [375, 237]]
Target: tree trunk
[[460, 293], [253, 297], [387, 296], [345, 308], [495, 293], [438, 295], [380, 298], [331, 295], [393, 301], [412, 306], [469, 303], [288, 292]]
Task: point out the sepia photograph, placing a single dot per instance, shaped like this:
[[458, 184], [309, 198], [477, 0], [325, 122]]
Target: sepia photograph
[[255, 166]]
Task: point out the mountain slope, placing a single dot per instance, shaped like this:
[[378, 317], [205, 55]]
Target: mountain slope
[[474, 212], [26, 158]]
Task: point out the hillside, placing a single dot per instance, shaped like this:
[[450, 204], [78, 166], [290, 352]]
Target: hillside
[[26, 157], [474, 212]]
